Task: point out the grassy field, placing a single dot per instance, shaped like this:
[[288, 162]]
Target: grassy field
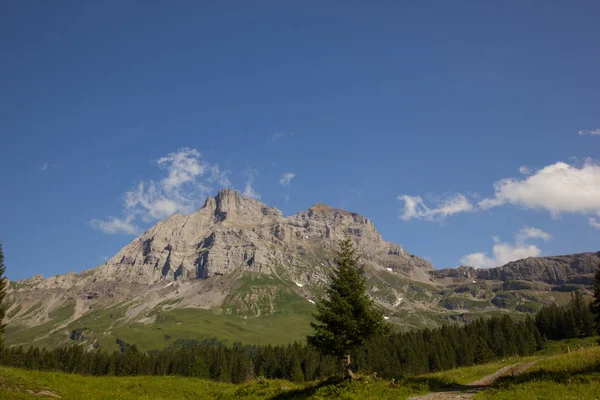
[[575, 375], [556, 375], [25, 384], [22, 384]]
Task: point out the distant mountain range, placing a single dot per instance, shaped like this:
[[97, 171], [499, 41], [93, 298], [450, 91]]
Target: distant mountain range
[[236, 269]]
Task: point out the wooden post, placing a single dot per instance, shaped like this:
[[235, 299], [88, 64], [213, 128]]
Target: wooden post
[[349, 373]]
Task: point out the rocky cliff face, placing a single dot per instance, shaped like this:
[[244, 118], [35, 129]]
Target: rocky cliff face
[[576, 269], [233, 233], [234, 256], [569, 269]]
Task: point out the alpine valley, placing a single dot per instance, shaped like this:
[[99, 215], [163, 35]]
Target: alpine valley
[[237, 270]]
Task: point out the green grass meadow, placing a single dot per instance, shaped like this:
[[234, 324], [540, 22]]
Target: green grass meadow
[[556, 375], [575, 375]]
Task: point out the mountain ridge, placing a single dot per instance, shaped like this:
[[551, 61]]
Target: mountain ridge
[[239, 264]]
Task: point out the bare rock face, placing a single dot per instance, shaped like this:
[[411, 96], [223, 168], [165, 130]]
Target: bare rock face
[[559, 270], [577, 269], [232, 233]]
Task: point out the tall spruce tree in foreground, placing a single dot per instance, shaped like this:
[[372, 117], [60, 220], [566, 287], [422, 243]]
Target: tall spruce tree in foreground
[[346, 316], [596, 303], [3, 283]]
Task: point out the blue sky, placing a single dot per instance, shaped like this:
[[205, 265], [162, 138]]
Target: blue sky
[[417, 115]]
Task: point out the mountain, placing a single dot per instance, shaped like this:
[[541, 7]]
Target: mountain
[[236, 269]]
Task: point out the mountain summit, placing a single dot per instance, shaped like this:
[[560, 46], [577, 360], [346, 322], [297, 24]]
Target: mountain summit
[[235, 233]]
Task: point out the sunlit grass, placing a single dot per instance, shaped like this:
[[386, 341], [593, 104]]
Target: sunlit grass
[[575, 375]]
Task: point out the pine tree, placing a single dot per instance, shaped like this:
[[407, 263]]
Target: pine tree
[[596, 302], [3, 284], [346, 316]]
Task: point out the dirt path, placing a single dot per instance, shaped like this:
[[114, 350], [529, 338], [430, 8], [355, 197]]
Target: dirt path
[[471, 389]]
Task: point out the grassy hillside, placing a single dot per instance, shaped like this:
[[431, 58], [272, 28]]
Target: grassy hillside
[[575, 375]]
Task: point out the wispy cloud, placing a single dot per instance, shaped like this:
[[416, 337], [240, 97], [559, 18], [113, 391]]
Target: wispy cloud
[[529, 232], [188, 180], [594, 223], [503, 253], [589, 132], [356, 192], [286, 178], [116, 225], [525, 170], [279, 135], [249, 189], [414, 207], [47, 166]]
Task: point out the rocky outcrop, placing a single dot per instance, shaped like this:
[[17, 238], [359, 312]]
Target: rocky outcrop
[[575, 269], [559, 270]]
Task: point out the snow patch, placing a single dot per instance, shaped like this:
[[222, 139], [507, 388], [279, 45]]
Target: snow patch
[[474, 281], [386, 318], [298, 284], [168, 285], [389, 269], [311, 301], [399, 301]]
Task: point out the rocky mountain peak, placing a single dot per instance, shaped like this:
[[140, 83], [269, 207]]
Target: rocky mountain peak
[[230, 204]]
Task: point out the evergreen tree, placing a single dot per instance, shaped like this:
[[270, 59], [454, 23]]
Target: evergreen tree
[[596, 302], [346, 316], [3, 284]]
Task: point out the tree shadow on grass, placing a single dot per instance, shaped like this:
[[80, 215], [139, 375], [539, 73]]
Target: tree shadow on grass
[[308, 391], [337, 386], [434, 385], [568, 376]]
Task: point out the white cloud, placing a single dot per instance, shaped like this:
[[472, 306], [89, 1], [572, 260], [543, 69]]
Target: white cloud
[[248, 189], [187, 182], [115, 225], [557, 188], [414, 207], [594, 223], [153, 202], [503, 253], [530, 232], [525, 170], [286, 178], [590, 132], [183, 167]]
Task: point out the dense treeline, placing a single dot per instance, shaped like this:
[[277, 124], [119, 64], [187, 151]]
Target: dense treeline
[[396, 354], [402, 353], [574, 320]]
